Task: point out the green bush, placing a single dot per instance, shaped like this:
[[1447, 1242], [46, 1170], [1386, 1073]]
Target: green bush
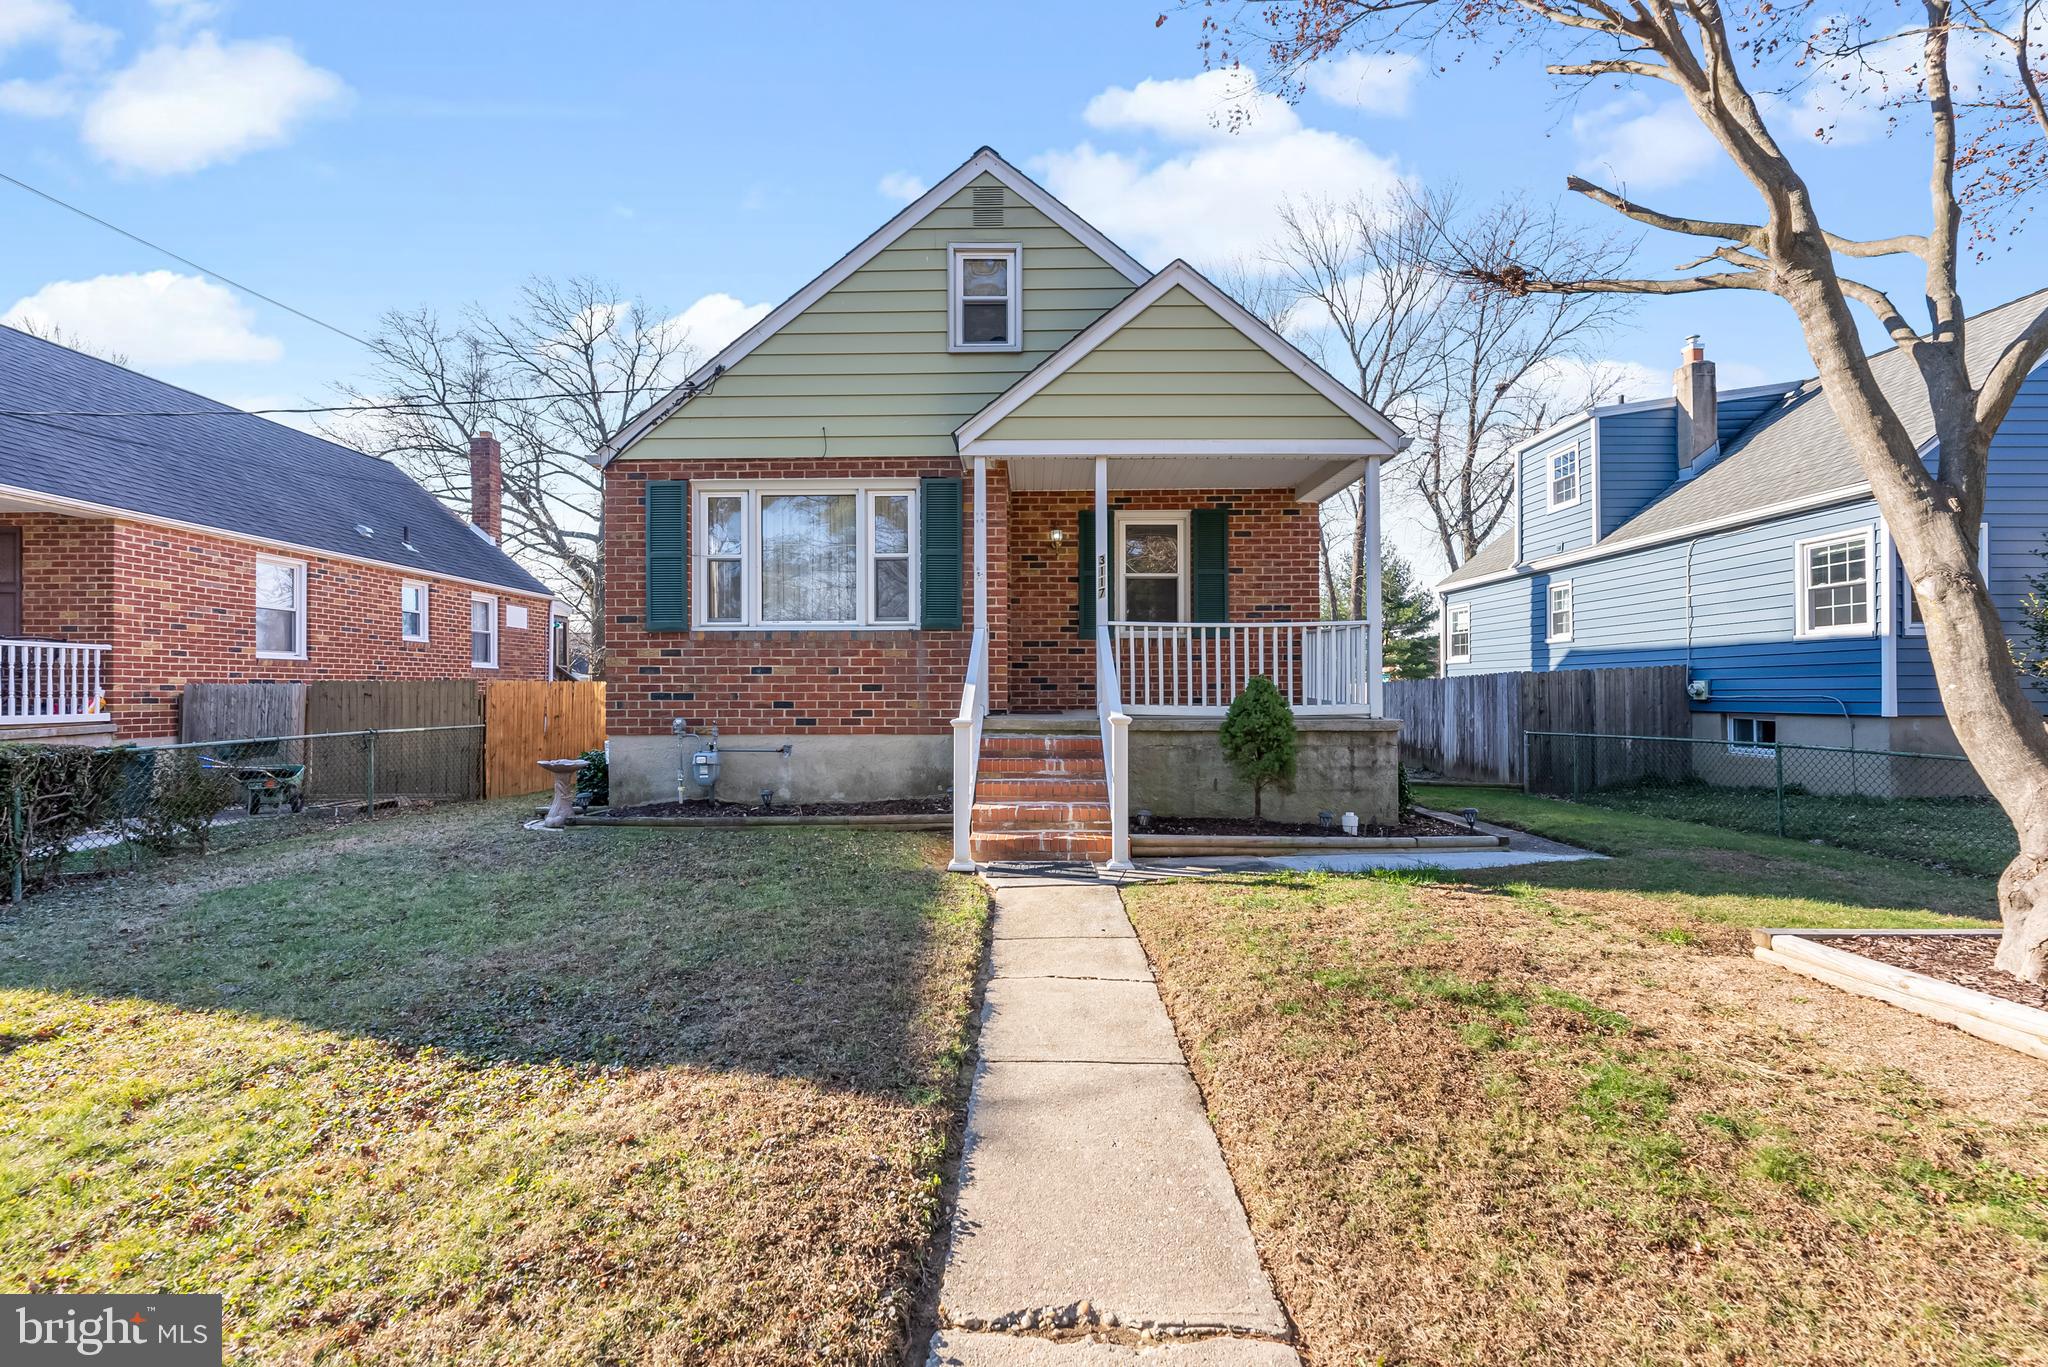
[[1405, 794], [1259, 740], [184, 797], [50, 795], [595, 778]]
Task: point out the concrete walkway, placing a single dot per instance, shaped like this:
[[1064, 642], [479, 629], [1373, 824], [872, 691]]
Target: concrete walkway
[[1093, 1195]]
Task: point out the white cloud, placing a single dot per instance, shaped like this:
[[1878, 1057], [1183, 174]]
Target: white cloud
[[39, 99], [1567, 384], [182, 107], [900, 185], [715, 320], [1641, 143], [154, 318], [53, 23], [1205, 108], [1376, 83]]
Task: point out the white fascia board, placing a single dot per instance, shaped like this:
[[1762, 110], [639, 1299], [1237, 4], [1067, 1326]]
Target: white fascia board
[[1181, 274], [1361, 448], [984, 162], [1690, 530], [73, 507]]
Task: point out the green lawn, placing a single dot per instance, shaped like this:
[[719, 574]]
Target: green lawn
[[439, 1089], [1557, 1113]]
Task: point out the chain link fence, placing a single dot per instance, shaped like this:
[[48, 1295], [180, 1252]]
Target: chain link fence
[[78, 810], [1927, 808]]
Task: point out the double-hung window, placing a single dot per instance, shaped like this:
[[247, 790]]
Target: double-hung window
[[483, 631], [1560, 625], [1915, 624], [1458, 633], [280, 608], [796, 554], [412, 610], [1564, 477], [1834, 585], [984, 310]]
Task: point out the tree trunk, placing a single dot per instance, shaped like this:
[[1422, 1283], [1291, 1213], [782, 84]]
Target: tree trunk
[[1358, 536]]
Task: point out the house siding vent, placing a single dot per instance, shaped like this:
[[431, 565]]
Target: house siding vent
[[988, 206]]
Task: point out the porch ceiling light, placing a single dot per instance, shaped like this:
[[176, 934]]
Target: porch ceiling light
[[1058, 536]]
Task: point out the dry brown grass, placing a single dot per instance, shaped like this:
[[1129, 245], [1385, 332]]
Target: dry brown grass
[[1569, 1120], [442, 1091]]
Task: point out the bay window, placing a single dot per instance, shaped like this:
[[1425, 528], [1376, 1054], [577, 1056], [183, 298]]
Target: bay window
[[797, 554]]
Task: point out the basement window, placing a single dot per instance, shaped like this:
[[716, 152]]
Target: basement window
[[985, 293], [1755, 736]]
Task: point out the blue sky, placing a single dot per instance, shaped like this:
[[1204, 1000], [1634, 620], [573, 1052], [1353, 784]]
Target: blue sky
[[355, 158]]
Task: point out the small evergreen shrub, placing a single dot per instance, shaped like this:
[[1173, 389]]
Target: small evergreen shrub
[[1259, 740], [1405, 794], [594, 779]]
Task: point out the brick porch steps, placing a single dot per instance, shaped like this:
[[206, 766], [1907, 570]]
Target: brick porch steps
[[1040, 796]]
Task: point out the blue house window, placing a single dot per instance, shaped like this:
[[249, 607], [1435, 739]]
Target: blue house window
[[1559, 627], [1564, 478], [1834, 585], [1458, 633], [1752, 736]]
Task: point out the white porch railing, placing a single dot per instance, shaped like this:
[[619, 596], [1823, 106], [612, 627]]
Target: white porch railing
[[967, 750], [1321, 668], [1116, 749], [51, 681]]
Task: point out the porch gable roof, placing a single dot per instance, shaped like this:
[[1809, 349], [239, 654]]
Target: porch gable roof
[[1179, 368]]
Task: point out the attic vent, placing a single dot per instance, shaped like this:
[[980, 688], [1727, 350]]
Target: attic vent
[[988, 206]]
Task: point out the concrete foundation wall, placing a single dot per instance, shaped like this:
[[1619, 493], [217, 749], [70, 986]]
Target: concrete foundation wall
[[819, 768], [1342, 765], [1872, 770]]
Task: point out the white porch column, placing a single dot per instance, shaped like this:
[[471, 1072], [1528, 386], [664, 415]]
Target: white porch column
[[1104, 534], [981, 543], [1375, 643]]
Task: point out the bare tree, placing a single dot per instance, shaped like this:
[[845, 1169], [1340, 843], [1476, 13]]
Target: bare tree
[[1723, 67], [1466, 370], [554, 379], [55, 333]]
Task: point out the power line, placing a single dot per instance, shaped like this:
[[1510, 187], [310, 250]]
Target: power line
[[184, 260], [403, 405]]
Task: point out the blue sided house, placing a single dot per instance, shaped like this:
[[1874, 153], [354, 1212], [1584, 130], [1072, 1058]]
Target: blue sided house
[[1733, 532]]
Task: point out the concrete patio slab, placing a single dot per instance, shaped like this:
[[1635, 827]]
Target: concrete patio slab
[[955, 1349], [1069, 957], [1099, 1183], [1073, 1020]]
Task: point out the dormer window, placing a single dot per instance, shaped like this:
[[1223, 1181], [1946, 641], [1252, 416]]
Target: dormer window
[[985, 312], [1564, 478]]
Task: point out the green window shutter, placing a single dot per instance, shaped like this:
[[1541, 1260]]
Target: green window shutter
[[668, 555], [1209, 554], [940, 501], [1084, 540]]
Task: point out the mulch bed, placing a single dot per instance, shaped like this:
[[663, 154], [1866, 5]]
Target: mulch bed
[[1964, 960], [908, 806], [1416, 824]]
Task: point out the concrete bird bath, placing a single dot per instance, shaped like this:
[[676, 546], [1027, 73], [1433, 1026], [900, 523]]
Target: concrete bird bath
[[565, 771]]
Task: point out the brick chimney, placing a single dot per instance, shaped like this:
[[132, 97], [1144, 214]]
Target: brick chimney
[[486, 484], [1698, 408]]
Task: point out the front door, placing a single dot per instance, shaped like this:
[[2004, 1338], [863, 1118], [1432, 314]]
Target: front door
[[10, 581]]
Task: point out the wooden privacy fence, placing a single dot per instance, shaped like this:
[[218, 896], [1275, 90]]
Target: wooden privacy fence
[[1470, 726], [215, 711], [525, 723]]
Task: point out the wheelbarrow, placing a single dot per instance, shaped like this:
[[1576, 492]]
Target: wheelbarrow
[[266, 785]]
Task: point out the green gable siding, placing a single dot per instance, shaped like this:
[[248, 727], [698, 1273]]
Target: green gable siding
[[868, 362], [1177, 371]]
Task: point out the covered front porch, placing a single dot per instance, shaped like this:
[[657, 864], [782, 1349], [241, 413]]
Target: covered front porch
[[55, 626]]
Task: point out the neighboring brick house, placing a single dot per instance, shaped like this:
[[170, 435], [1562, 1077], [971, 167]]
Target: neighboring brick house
[[151, 538], [799, 539]]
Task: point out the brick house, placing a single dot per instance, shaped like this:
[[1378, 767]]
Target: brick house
[[989, 506], [151, 538]]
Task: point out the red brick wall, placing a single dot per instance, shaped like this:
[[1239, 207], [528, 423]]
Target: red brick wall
[[843, 682], [1273, 577], [821, 682], [179, 607]]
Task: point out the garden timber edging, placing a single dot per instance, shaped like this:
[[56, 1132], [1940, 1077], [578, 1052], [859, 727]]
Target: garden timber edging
[[734, 823], [2023, 1028]]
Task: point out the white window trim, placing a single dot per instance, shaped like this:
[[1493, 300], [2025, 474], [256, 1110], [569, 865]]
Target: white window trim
[[751, 493], [1550, 612], [1578, 455], [1801, 630], [1119, 521], [298, 650], [426, 609], [1909, 615], [1452, 612], [1751, 749], [956, 250], [496, 631]]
